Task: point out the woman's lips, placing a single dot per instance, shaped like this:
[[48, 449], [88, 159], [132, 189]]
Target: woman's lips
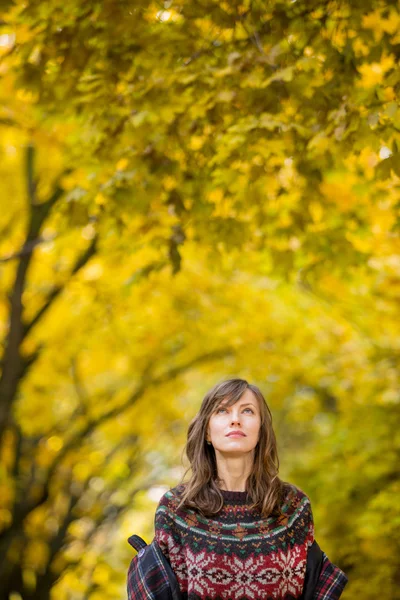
[[236, 434]]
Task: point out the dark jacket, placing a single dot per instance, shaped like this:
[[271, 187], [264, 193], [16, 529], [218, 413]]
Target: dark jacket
[[150, 576]]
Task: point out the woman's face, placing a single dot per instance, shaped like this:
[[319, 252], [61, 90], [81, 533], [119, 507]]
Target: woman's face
[[243, 417]]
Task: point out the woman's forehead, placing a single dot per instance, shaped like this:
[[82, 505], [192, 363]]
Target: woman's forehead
[[246, 398]]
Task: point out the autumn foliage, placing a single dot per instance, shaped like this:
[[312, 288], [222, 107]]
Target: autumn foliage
[[191, 191]]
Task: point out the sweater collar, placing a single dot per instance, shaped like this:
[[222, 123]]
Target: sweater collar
[[231, 497]]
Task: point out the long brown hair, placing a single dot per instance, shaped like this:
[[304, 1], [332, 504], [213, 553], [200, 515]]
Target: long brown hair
[[263, 485]]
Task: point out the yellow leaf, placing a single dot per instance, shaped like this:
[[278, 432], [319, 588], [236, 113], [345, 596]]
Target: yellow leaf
[[101, 575], [216, 195], [226, 96], [389, 94], [122, 164], [316, 211], [169, 183], [54, 443], [196, 142], [373, 73]]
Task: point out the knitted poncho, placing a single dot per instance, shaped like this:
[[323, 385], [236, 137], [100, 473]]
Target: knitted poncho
[[237, 554]]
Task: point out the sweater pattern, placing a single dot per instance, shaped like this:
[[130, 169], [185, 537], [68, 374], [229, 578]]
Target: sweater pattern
[[237, 554]]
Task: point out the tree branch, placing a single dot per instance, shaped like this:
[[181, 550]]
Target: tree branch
[[80, 390], [27, 507], [79, 264], [134, 397], [12, 360], [27, 248], [31, 183]]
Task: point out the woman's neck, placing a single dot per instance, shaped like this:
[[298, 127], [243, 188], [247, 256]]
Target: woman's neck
[[233, 473]]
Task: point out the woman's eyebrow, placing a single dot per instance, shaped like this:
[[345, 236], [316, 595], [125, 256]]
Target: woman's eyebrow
[[244, 404]]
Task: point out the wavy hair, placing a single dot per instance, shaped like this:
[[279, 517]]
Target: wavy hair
[[263, 486]]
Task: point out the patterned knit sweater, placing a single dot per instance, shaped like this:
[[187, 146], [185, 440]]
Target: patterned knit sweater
[[237, 554]]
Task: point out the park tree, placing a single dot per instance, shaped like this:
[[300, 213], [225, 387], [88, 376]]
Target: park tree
[[192, 190]]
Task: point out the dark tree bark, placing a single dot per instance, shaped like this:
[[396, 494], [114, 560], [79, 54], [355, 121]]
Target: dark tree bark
[[14, 364]]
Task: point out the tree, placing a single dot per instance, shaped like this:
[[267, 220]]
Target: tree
[[211, 176]]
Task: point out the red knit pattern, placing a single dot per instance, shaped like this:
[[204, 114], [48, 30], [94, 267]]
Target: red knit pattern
[[237, 554]]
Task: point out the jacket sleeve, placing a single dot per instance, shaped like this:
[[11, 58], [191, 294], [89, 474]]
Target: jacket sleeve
[[313, 569], [331, 581], [323, 580]]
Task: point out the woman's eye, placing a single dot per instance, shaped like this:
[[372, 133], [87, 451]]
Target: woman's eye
[[250, 409]]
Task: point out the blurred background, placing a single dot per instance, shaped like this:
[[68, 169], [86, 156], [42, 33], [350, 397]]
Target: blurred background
[[190, 191]]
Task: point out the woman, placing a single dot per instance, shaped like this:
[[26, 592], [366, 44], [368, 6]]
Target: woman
[[234, 530]]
